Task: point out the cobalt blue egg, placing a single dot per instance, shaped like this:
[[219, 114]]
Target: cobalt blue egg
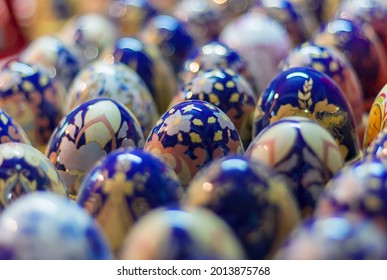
[[11, 131], [124, 186], [306, 92], [250, 198]]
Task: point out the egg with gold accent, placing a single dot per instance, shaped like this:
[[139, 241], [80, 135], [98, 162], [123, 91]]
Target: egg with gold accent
[[11, 131]]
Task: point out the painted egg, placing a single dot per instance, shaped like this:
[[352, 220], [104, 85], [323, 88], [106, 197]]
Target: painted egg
[[373, 12], [291, 15], [261, 41], [116, 81], [306, 92], [214, 55], [61, 61], [358, 189], [33, 99], [25, 170], [269, 211], [91, 33], [303, 152], [45, 226], [329, 61], [182, 234], [124, 186], [376, 118], [171, 36], [378, 147], [335, 238], [11, 131], [362, 49], [227, 90], [147, 61], [190, 135], [88, 133]]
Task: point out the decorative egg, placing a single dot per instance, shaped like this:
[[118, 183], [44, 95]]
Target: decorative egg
[[11, 131], [182, 234], [171, 36], [91, 33], [261, 41], [190, 135], [24, 170], [329, 61], [150, 65], [61, 61], [32, 99], [269, 211], [362, 49], [335, 238], [363, 12], [124, 186], [45, 226], [303, 153], [376, 118], [306, 92], [378, 147], [358, 189], [116, 81], [291, 15], [88, 133], [227, 90]]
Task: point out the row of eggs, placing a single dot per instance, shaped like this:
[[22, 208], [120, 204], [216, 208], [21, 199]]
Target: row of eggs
[[189, 136]]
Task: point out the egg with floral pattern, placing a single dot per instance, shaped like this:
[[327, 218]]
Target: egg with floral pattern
[[116, 81], [378, 147], [32, 99], [45, 226], [26, 170], [306, 92], [88, 133], [186, 233], [269, 211], [148, 62], [124, 186], [364, 51], [303, 153], [190, 135], [227, 90], [376, 118], [11, 131]]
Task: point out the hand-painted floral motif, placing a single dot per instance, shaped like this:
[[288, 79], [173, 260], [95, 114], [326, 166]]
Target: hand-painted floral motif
[[88, 133], [190, 135], [24, 170], [11, 131], [125, 185]]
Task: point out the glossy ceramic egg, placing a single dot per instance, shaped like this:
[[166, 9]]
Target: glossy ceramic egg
[[116, 81], [363, 12], [91, 33], [261, 41], [227, 90], [124, 186], [182, 234], [24, 170], [376, 118], [378, 147], [190, 135], [33, 99], [150, 65], [291, 15], [45, 226], [303, 152], [11, 131], [335, 238], [359, 189], [269, 211], [171, 36], [88, 133], [61, 61], [362, 49], [329, 61], [306, 92]]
